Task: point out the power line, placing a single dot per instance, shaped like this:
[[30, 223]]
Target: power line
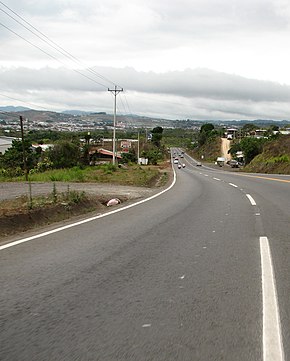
[[50, 42], [128, 104], [53, 57], [58, 48], [34, 105]]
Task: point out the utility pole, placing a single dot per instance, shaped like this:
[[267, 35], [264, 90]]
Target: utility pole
[[138, 149], [23, 149], [115, 91]]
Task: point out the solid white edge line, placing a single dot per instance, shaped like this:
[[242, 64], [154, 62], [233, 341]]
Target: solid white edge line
[[11, 244], [233, 185], [272, 339], [251, 199]]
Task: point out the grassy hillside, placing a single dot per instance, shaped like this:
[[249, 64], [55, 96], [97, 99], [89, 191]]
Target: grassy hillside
[[209, 151], [275, 157]]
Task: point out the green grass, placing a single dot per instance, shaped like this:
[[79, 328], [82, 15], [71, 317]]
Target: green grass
[[209, 151], [65, 198], [264, 163], [107, 173], [280, 159]]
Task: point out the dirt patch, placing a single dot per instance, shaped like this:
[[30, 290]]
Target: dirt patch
[[23, 219], [15, 219], [225, 147]]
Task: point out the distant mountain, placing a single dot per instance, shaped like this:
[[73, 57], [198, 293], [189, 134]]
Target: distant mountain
[[13, 109], [76, 112]]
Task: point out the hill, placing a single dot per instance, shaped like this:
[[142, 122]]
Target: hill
[[11, 108], [275, 157], [209, 151]]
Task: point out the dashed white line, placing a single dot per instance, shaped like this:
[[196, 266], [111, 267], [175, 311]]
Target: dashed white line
[[272, 340], [251, 199], [217, 179], [233, 185]]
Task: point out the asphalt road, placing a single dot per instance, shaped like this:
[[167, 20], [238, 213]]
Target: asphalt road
[[185, 276]]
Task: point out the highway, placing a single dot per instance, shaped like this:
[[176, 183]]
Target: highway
[[200, 272]]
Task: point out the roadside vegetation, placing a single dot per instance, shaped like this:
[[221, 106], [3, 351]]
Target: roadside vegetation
[[206, 143], [69, 160], [274, 157], [27, 212], [106, 173], [267, 154]]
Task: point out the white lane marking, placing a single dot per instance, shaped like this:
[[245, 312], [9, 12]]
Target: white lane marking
[[182, 277], [233, 185], [272, 340], [206, 175], [146, 325], [217, 179], [251, 199], [15, 243]]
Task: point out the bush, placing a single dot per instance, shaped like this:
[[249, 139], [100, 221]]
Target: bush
[[108, 168], [64, 155]]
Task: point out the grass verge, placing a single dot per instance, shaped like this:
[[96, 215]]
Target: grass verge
[[25, 213], [19, 215], [143, 176]]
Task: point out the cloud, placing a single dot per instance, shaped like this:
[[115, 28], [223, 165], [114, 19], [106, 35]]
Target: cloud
[[179, 59], [193, 83], [200, 93], [190, 83]]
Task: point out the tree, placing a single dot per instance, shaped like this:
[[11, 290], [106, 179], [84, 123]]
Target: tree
[[129, 157], [251, 147], [248, 128], [64, 154], [157, 136], [12, 159], [236, 147], [153, 155], [206, 132], [207, 127]]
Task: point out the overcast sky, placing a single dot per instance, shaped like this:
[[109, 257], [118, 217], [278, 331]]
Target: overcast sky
[[178, 59]]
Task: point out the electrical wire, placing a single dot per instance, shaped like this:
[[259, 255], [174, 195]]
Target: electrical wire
[[50, 42], [58, 48], [52, 56], [34, 105]]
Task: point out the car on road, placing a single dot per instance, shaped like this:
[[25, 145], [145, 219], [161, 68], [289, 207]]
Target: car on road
[[233, 163], [175, 161], [179, 166], [198, 164]]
